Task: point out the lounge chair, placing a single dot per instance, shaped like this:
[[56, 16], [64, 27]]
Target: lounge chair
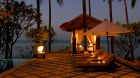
[[101, 59]]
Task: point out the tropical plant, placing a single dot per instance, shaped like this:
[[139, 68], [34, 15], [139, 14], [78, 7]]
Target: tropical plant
[[60, 2], [41, 35], [89, 7], [38, 19], [126, 12], [123, 41], [133, 2], [14, 26], [50, 14]]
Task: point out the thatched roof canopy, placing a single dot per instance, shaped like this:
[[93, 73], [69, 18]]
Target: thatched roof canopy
[[77, 23]]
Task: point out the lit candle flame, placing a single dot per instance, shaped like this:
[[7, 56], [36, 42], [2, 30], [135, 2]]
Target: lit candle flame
[[99, 58], [103, 61], [99, 62]]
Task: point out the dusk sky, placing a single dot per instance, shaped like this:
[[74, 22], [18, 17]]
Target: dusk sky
[[73, 8]]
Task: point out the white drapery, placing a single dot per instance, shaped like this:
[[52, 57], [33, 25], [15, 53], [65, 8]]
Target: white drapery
[[92, 42], [79, 37]]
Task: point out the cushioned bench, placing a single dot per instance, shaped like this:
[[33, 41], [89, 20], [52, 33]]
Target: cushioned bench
[[105, 60]]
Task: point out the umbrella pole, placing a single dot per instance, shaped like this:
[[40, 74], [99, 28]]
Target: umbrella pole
[[107, 41]]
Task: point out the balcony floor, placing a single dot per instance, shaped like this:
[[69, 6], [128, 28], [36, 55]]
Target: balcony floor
[[60, 65]]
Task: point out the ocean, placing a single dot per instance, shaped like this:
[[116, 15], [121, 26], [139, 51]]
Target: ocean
[[23, 48]]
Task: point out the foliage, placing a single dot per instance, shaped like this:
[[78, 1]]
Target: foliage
[[127, 43], [13, 27], [37, 34], [40, 35], [133, 3], [60, 2]]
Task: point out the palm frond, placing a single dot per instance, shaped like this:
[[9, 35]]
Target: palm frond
[[133, 2], [60, 2]]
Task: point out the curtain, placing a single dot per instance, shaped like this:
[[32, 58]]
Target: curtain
[[92, 42], [79, 37]]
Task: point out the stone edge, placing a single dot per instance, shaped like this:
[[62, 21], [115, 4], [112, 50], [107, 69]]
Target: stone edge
[[15, 68]]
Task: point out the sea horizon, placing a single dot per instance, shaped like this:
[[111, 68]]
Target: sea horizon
[[23, 48]]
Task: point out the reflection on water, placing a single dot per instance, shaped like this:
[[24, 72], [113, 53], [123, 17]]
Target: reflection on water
[[6, 64]]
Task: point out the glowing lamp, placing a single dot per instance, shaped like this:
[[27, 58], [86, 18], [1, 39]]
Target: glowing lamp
[[92, 54], [81, 47], [99, 58], [40, 49], [90, 47], [99, 62], [103, 61]]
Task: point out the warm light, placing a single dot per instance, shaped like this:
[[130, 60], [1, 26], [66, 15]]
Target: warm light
[[81, 48], [86, 53], [90, 47], [99, 58], [99, 62], [103, 61], [92, 54], [40, 49], [94, 37]]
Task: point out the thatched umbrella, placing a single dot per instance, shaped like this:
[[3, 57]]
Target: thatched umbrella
[[107, 28], [77, 23]]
